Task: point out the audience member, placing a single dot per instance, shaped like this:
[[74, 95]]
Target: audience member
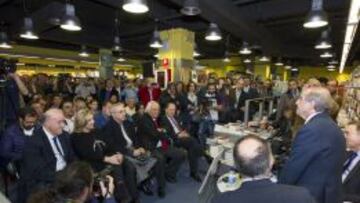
[[351, 167], [318, 150], [254, 160]]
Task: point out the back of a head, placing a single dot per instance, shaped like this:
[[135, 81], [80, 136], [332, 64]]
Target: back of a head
[[321, 98], [252, 156], [71, 182]]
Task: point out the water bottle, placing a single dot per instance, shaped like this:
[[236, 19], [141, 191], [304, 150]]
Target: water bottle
[[232, 177]]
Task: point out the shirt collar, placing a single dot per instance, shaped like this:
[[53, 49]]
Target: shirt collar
[[311, 116], [48, 134]]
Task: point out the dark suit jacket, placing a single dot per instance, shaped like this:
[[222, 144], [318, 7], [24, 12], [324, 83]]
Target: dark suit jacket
[[114, 139], [243, 97], [262, 191], [316, 159], [165, 123], [351, 185], [148, 132], [39, 161]]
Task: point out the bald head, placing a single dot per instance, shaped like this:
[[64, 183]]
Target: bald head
[[253, 156], [54, 121]]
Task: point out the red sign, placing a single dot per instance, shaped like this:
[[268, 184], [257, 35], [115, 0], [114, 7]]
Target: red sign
[[165, 62]]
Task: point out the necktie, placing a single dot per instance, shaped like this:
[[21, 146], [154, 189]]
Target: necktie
[[173, 120], [351, 158], [57, 145]]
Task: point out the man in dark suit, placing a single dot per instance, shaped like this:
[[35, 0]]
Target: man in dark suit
[[158, 142], [237, 101], [47, 152], [318, 150], [182, 139], [351, 167], [254, 160], [119, 136]]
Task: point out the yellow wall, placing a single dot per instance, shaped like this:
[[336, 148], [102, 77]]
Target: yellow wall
[[309, 72]]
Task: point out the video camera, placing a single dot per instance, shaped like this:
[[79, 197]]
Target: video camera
[[6, 67]]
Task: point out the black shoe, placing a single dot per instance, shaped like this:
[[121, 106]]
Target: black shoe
[[145, 188], [171, 179], [161, 193]]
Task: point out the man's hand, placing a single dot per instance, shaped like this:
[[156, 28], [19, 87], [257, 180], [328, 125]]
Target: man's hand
[[183, 134], [115, 159]]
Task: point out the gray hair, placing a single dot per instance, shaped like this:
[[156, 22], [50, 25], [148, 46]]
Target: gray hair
[[150, 105], [321, 98]]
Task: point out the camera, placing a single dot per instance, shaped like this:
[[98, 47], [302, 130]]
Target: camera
[[6, 67], [101, 176]]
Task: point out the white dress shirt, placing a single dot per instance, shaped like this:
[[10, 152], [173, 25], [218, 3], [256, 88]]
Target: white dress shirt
[[351, 167], [60, 160], [174, 125], [129, 142], [69, 125]]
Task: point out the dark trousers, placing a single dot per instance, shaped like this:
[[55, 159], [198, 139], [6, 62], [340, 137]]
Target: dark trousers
[[130, 178], [194, 151], [168, 162]]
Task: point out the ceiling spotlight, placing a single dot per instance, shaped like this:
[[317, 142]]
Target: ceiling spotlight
[[326, 55], [117, 47], [287, 67], [191, 8], [213, 33], [135, 6], [317, 16], [245, 50], [83, 52], [156, 42], [196, 52], [333, 62], [227, 58], [28, 29], [294, 69], [331, 67], [70, 21], [279, 62], [247, 61], [323, 42], [4, 41], [264, 59], [121, 59]]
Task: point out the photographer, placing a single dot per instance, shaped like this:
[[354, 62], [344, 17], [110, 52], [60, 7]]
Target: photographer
[[75, 184], [11, 86]]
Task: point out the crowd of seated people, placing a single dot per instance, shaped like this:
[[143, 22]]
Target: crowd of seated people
[[141, 132]]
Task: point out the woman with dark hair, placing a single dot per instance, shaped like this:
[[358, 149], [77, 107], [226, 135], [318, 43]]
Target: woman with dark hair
[[169, 95]]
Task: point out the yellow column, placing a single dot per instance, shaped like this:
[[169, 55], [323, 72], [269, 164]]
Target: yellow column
[[178, 48]]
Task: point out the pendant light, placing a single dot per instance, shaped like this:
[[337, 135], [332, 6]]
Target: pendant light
[[196, 52], [264, 59], [83, 52], [279, 62], [116, 44], [326, 54], [323, 42], [191, 8], [245, 50], [28, 30], [247, 60], [4, 41], [213, 33], [156, 41], [135, 6], [70, 21], [317, 17], [226, 57]]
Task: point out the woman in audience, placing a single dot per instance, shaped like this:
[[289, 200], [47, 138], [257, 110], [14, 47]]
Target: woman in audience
[[93, 105], [130, 108], [88, 147]]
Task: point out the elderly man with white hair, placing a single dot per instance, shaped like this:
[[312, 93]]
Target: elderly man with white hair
[[160, 144], [318, 151], [48, 151]]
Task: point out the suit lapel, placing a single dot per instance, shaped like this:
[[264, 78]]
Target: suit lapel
[[47, 145], [353, 172]]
